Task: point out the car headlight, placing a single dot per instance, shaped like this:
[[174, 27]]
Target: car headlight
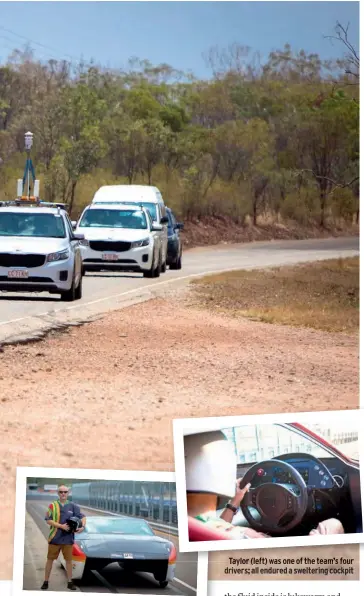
[[84, 242], [62, 255], [139, 243]]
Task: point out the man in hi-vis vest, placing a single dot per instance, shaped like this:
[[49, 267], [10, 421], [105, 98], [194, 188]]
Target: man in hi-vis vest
[[61, 535]]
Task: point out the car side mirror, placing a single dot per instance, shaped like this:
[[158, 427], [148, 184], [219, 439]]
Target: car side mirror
[[157, 227], [78, 237], [164, 220], [74, 225]]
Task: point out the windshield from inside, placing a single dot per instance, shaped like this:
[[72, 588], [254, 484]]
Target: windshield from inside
[[39, 225], [258, 442], [118, 526], [113, 218]]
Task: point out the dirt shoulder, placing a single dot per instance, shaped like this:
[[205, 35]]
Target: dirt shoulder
[[104, 395], [322, 295]]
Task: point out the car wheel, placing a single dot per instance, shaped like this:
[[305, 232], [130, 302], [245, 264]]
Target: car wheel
[[149, 272], [158, 269], [87, 576], [163, 584], [154, 271], [69, 295], [176, 263], [79, 289]]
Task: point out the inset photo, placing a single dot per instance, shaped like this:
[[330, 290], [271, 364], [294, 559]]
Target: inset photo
[[99, 532], [280, 480]]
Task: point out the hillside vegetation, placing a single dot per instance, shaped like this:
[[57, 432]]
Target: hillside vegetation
[[274, 142]]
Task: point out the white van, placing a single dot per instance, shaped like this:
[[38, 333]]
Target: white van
[[149, 197]]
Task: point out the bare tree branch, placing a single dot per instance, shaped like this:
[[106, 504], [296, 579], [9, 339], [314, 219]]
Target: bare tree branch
[[353, 56], [333, 182]]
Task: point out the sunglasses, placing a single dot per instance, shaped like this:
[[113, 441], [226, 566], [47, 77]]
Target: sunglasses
[[63, 492]]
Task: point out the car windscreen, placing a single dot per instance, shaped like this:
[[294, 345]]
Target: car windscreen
[[152, 208], [117, 525], [114, 218], [39, 225]]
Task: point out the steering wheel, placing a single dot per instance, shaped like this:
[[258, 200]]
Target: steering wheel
[[280, 506]]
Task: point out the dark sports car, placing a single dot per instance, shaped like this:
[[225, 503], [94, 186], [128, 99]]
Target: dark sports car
[[130, 542], [174, 251]]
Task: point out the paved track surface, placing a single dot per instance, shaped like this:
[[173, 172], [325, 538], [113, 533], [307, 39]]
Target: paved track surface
[[27, 316], [113, 581]]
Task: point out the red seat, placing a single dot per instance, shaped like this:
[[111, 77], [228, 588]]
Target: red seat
[[199, 532]]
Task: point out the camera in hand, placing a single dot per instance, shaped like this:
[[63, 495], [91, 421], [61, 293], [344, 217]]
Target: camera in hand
[[73, 523]]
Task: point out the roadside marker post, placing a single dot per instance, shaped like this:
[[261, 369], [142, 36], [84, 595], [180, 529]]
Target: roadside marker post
[[24, 184]]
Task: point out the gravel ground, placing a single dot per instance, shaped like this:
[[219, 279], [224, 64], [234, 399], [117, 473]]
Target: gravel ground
[[104, 395]]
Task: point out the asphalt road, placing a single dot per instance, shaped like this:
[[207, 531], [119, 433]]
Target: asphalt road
[[26, 316], [113, 581]]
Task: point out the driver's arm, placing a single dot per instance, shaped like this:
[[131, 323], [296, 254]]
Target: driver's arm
[[228, 514]]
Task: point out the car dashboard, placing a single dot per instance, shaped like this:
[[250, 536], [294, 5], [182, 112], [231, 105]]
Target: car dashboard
[[333, 486], [324, 473], [314, 474]]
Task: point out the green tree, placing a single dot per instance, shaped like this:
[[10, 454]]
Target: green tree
[[327, 141], [81, 145], [155, 139], [80, 156]]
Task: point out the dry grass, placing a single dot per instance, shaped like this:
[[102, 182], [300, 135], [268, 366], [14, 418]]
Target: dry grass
[[322, 295]]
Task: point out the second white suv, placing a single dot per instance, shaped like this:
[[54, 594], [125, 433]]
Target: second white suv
[[121, 237]]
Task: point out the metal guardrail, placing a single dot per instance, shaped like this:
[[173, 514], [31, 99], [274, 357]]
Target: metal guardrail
[[156, 525]]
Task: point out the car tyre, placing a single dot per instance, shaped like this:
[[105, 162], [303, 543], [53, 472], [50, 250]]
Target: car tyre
[[69, 295], [163, 584], [158, 269], [154, 271], [177, 263], [164, 267], [79, 289], [87, 576]]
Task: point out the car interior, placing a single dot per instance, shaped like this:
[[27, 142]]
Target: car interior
[[292, 492]]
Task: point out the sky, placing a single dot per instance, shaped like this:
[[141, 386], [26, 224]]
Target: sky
[[176, 33]]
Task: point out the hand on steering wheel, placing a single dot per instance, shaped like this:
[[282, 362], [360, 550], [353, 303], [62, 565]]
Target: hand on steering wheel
[[240, 491], [280, 506]]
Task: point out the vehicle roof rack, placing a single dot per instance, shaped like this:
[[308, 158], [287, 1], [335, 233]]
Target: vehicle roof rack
[[31, 202]]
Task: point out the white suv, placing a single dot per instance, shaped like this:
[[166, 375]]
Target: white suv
[[149, 197], [121, 237], [39, 251]]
